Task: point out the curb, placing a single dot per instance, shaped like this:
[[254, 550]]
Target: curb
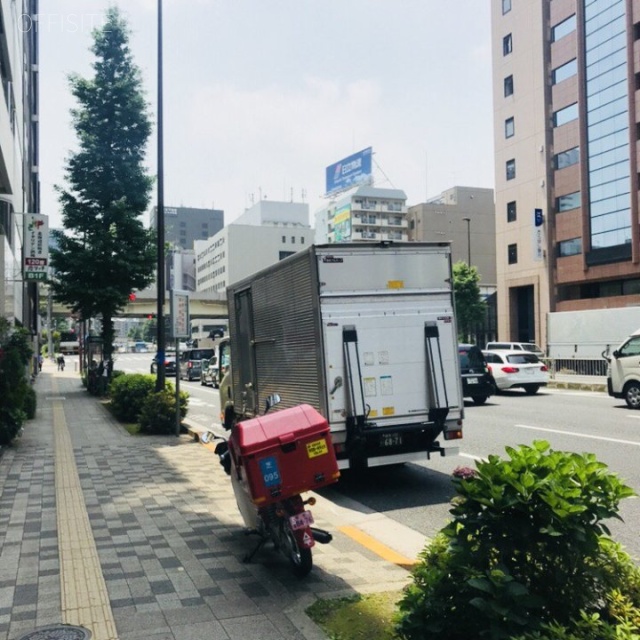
[[577, 386]]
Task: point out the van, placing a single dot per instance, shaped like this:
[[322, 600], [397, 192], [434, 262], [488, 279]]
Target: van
[[623, 371], [515, 346], [191, 362]]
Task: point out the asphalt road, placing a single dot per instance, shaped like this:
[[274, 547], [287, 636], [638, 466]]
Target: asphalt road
[[418, 495]]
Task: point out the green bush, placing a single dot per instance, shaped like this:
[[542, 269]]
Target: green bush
[[158, 414], [128, 393], [15, 387], [527, 549], [30, 403]]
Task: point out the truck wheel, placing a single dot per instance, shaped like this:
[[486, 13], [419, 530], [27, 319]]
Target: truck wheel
[[531, 389], [632, 395], [479, 399]]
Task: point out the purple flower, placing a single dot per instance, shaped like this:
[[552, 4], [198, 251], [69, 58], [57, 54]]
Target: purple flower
[[464, 473]]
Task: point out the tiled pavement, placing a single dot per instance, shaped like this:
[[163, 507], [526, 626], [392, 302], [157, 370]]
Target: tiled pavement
[[140, 538]]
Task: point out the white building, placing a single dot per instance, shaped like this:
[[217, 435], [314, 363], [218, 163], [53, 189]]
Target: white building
[[19, 183], [266, 233], [364, 214]]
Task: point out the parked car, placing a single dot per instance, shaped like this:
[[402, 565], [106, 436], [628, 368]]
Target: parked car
[[515, 346], [169, 365], [512, 369], [477, 383], [209, 374], [191, 362]]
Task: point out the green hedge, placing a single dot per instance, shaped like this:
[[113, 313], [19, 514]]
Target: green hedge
[[158, 413], [128, 393]]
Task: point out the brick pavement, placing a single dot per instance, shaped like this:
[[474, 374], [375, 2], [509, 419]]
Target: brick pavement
[[139, 537]]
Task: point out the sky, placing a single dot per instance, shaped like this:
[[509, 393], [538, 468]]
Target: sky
[[260, 96]]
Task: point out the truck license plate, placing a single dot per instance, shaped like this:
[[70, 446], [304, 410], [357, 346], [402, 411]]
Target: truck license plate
[[391, 440], [301, 520], [472, 380]]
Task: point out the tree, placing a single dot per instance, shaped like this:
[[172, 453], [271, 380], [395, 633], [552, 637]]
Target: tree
[[470, 308], [106, 252]]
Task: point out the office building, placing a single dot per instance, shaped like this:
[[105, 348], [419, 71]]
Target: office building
[[465, 217], [19, 181], [565, 81], [184, 225], [266, 233]]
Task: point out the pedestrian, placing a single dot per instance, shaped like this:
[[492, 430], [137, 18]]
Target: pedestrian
[[60, 361], [40, 361]]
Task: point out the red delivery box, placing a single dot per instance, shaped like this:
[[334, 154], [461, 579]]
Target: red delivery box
[[284, 453]]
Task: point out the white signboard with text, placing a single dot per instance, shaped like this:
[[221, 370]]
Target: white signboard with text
[[36, 246], [180, 320]]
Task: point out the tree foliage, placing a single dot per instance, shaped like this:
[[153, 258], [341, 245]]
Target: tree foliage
[[106, 252], [470, 308]]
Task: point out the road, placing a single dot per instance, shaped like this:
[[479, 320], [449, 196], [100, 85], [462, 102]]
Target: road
[[418, 495]]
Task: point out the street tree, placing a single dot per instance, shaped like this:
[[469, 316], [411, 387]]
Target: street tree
[[470, 308], [105, 252]]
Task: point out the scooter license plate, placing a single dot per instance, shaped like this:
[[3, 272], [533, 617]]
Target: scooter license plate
[[301, 520]]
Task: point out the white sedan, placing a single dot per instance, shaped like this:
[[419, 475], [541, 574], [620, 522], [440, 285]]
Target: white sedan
[[517, 369]]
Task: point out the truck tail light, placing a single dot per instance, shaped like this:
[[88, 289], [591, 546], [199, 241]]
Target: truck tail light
[[510, 369]]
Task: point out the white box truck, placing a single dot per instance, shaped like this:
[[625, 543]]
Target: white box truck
[[366, 334]]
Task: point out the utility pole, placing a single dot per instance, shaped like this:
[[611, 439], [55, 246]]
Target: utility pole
[[468, 221]]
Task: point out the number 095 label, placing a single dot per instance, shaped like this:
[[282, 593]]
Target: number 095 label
[[317, 448]]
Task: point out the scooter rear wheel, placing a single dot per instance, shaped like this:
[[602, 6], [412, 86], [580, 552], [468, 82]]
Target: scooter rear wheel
[[300, 559]]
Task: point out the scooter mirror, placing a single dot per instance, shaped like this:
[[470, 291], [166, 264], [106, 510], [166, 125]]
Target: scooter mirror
[[271, 401]]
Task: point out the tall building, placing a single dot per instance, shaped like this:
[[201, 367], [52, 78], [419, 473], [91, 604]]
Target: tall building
[[364, 214], [184, 225], [565, 80], [19, 182]]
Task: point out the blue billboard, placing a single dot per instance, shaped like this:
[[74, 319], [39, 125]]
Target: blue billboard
[[350, 172]]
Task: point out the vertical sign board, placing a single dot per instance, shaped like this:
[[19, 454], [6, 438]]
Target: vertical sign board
[[36, 246], [538, 236], [180, 320]]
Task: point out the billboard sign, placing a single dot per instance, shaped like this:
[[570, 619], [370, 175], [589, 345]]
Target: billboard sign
[[36, 246], [342, 224], [350, 172]]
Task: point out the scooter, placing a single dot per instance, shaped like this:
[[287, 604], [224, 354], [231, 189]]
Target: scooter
[[268, 508]]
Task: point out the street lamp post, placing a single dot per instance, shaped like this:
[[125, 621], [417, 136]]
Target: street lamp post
[[468, 221], [160, 337]]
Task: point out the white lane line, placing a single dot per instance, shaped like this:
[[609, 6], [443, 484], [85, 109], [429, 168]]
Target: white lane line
[[578, 435], [634, 417]]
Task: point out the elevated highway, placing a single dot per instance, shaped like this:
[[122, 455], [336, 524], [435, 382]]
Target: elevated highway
[[201, 305]]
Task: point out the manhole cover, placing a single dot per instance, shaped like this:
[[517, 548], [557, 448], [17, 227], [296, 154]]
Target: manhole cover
[[58, 632]]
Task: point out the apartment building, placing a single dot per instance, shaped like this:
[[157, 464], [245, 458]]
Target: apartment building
[[184, 225], [566, 75], [19, 182], [364, 214]]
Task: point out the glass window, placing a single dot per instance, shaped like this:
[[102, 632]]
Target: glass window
[[507, 45], [508, 86], [567, 158], [512, 253], [565, 71], [511, 169], [506, 6], [568, 201], [511, 211], [563, 28], [509, 128], [565, 115], [631, 348], [571, 247]]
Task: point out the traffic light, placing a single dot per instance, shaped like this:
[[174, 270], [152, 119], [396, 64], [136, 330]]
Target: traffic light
[[132, 296]]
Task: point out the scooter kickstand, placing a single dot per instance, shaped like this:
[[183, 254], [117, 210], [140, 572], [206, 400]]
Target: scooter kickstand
[[249, 556]]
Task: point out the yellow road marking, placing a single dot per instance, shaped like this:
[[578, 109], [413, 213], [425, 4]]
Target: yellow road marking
[[377, 547]]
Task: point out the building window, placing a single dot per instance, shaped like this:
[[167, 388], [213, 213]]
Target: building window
[[567, 158], [301, 239], [509, 128], [285, 254], [293, 239], [571, 247], [565, 115], [508, 86], [511, 169], [563, 28], [506, 6], [507, 45], [565, 71], [511, 211], [568, 201], [512, 253]]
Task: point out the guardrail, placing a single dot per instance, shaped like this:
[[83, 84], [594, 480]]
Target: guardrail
[[576, 366]]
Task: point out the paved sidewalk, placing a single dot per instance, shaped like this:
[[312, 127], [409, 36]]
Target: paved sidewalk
[[140, 538]]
